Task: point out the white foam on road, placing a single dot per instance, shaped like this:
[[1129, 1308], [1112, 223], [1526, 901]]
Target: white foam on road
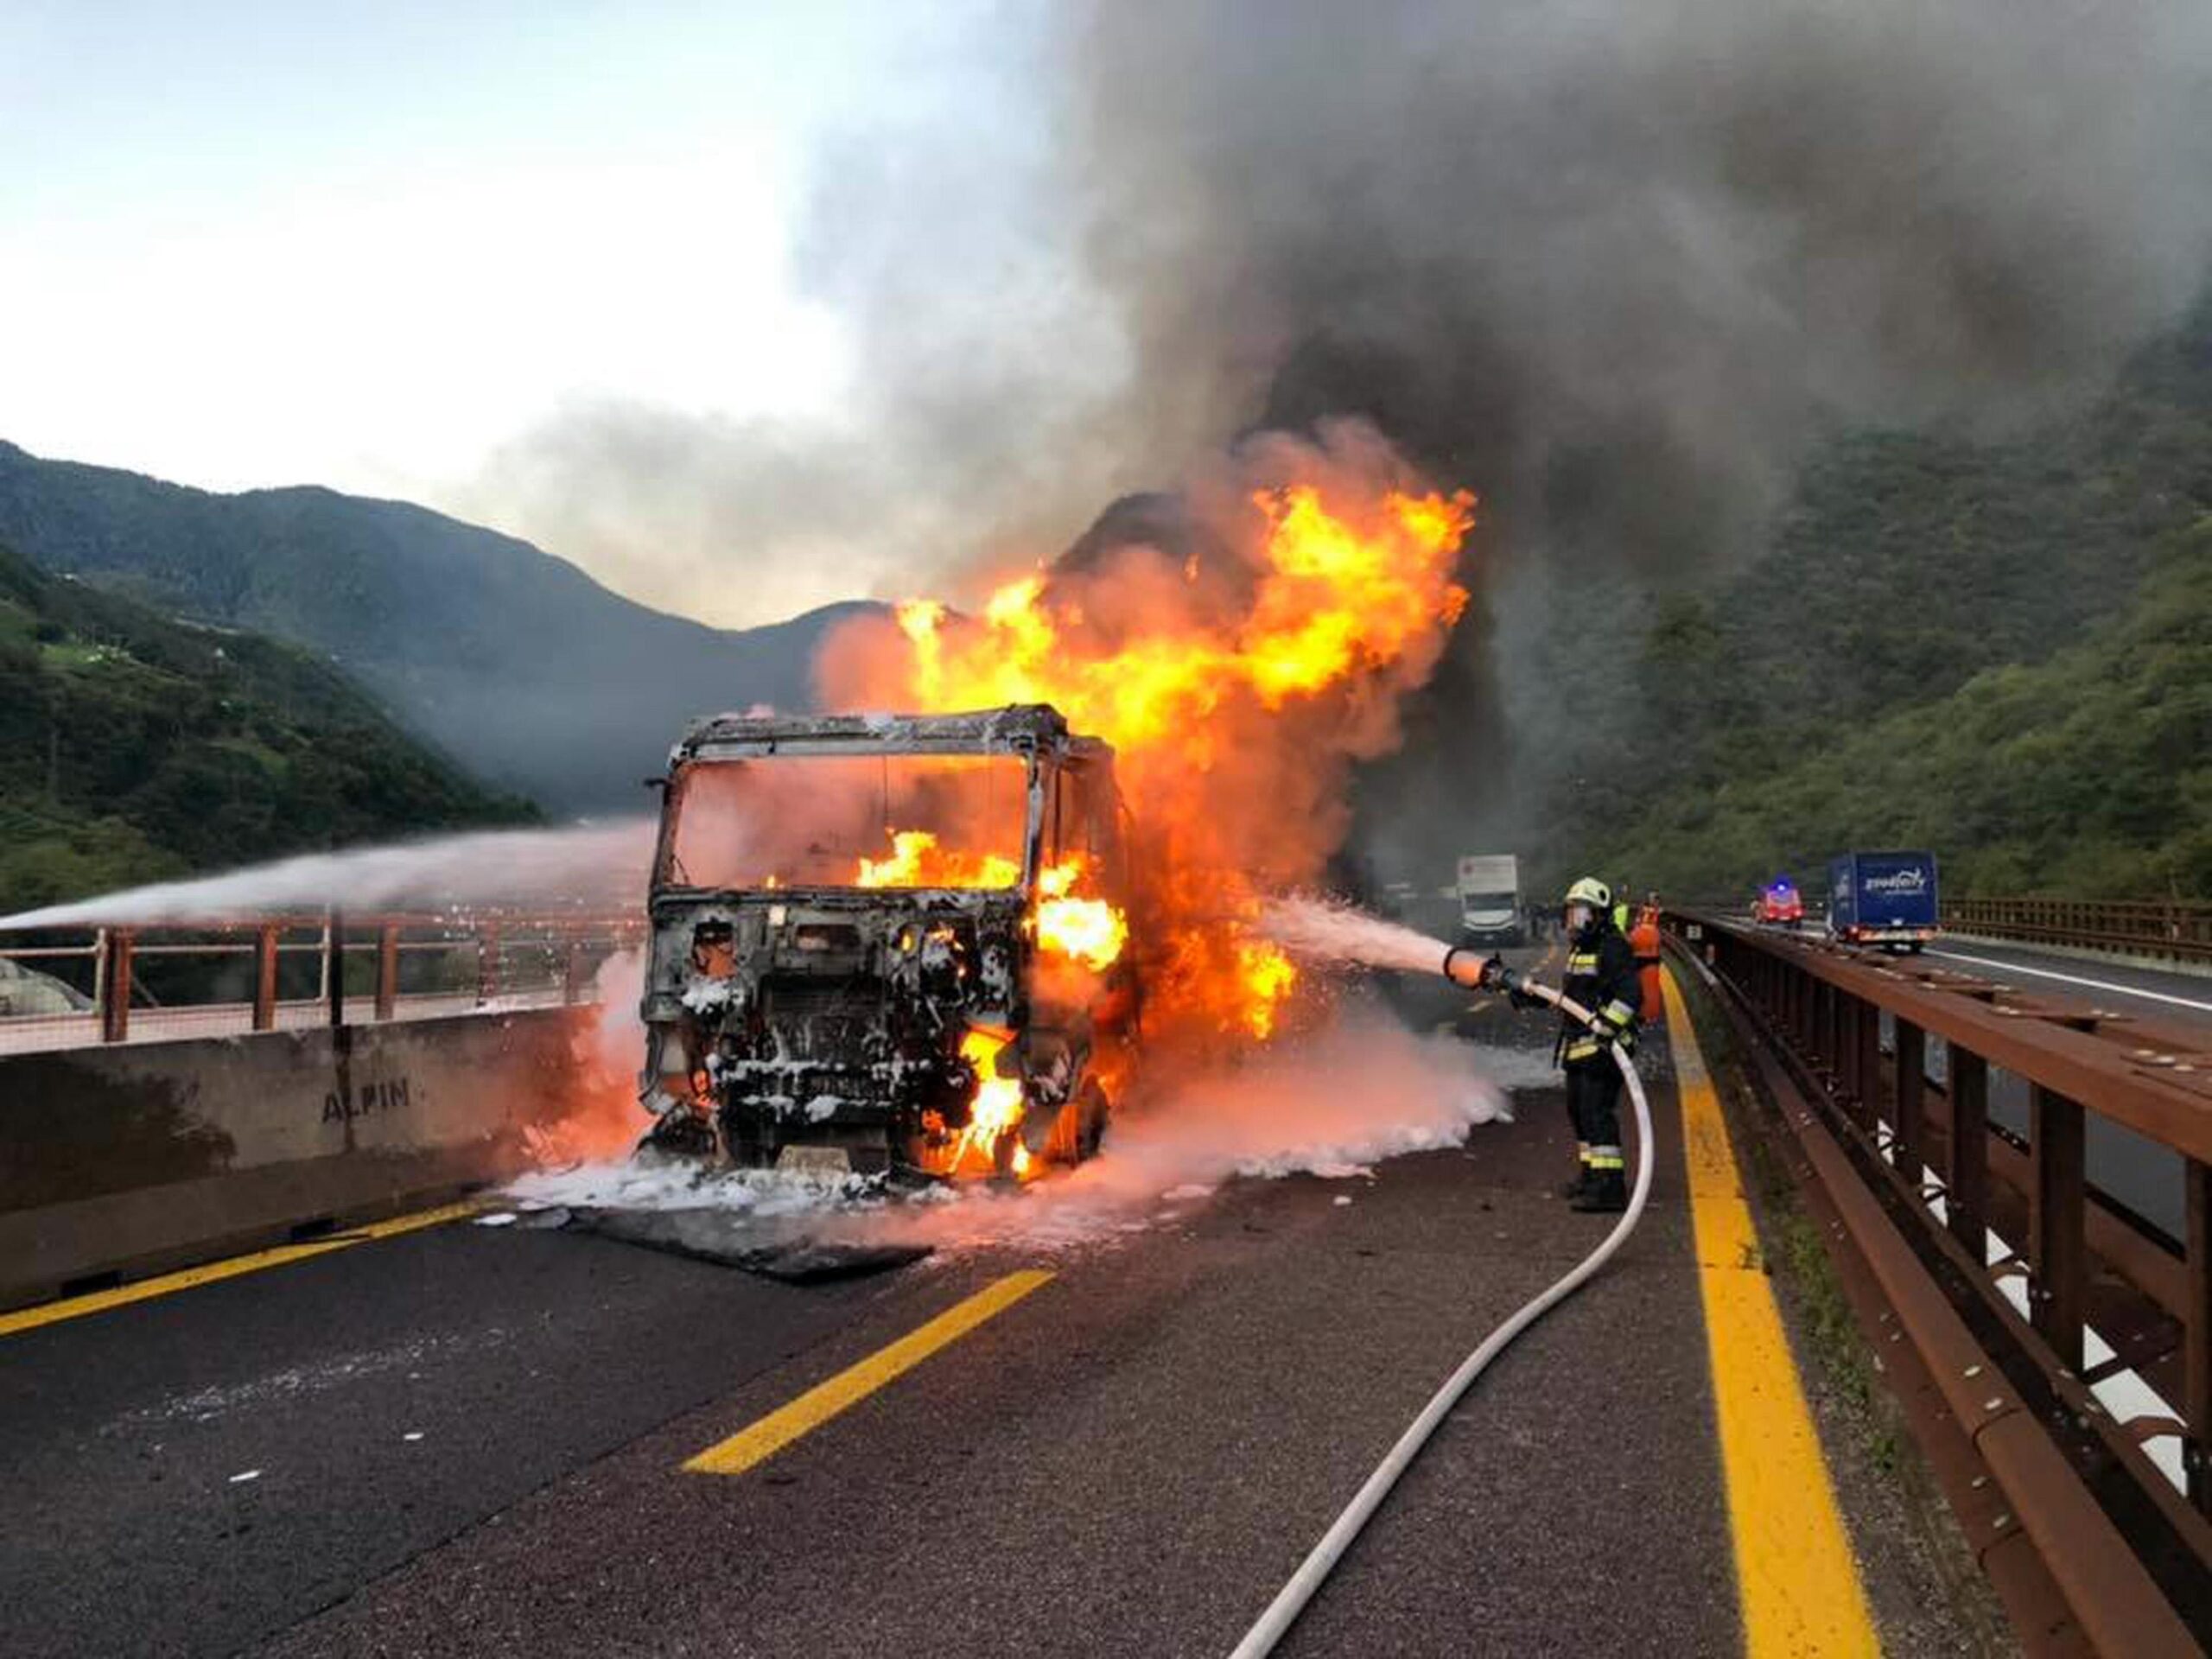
[[1331, 1105], [2075, 979]]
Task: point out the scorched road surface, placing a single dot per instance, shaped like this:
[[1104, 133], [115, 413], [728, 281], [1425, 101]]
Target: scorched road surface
[[472, 1440]]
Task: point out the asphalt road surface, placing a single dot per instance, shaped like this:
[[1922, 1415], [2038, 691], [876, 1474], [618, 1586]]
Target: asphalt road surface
[[2151, 994], [472, 1440]]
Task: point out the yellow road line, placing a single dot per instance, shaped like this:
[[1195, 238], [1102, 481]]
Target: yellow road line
[[98, 1301], [414, 1223], [1795, 1574], [826, 1399]]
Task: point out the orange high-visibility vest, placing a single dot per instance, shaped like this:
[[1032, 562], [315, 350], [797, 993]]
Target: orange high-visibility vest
[[1644, 941]]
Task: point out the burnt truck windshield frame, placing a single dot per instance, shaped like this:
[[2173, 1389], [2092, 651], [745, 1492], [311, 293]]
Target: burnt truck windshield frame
[[856, 1023], [870, 819]]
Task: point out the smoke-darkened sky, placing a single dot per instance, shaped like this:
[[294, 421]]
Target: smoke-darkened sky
[[746, 320]]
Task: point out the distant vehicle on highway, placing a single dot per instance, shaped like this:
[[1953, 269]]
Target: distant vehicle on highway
[[1779, 904], [1490, 911], [1884, 898]]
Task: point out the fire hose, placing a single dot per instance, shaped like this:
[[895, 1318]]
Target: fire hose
[[1314, 1570]]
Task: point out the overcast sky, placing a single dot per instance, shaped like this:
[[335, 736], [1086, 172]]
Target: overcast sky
[[268, 242], [747, 308]]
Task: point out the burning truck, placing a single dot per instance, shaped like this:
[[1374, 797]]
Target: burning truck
[[889, 943]]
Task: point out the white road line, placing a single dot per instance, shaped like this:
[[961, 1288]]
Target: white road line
[[2070, 979]]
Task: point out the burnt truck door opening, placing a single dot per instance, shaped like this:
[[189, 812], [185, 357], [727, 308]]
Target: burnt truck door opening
[[888, 943]]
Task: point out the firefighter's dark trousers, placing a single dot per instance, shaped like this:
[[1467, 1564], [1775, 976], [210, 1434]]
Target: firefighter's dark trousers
[[1593, 1101]]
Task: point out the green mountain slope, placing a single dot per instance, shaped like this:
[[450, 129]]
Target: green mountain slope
[[134, 746], [2089, 773], [510, 660], [1911, 659]]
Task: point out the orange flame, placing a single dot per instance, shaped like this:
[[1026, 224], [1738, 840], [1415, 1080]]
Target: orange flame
[[918, 860], [997, 1108], [1236, 692], [1088, 930]]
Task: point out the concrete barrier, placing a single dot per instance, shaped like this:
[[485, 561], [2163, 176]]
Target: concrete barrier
[[116, 1162]]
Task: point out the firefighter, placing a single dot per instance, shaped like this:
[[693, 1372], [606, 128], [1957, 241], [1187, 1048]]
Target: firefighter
[[1643, 940], [1601, 976], [1620, 908]]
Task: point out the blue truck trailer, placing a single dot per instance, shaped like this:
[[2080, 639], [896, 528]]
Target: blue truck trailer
[[1886, 899]]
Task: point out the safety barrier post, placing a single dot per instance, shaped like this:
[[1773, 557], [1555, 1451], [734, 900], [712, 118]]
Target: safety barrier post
[[2059, 1250], [1911, 1098], [1966, 1204], [1869, 1065], [387, 970], [1850, 1057], [264, 978], [334, 967], [116, 944], [487, 963], [2197, 1338], [572, 970]]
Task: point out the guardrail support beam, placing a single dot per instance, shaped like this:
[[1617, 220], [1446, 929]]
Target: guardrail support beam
[[334, 967], [1868, 1031], [264, 979], [2057, 1294], [387, 970], [1965, 1204], [1912, 1100], [115, 984], [2196, 1384], [487, 964]]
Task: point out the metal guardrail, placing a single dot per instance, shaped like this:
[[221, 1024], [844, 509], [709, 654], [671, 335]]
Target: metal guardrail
[[164, 980], [2172, 929], [1951, 1180]]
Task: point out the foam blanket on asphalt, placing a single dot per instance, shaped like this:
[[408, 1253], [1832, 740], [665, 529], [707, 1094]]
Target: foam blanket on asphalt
[[734, 1240]]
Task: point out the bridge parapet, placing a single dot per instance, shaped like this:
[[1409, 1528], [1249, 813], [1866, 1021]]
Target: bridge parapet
[[1967, 1110], [164, 980]]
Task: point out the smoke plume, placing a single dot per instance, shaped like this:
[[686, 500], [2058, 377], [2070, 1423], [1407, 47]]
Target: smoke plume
[[1609, 263]]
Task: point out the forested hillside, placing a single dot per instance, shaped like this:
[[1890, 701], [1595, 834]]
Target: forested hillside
[[2002, 651], [134, 747], [512, 661]]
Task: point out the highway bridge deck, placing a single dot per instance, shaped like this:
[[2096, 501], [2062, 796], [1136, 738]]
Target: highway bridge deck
[[468, 1440]]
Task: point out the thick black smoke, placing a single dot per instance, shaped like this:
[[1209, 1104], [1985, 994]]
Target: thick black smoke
[[1614, 263], [1615, 259], [1611, 264]]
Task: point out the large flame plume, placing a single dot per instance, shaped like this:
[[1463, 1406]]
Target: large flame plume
[[1237, 683]]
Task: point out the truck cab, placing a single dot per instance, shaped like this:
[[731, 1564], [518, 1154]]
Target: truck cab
[[1884, 898], [1490, 911], [889, 944]]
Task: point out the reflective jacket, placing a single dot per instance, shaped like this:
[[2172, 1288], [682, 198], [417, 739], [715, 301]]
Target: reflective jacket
[[1601, 976], [1643, 940]]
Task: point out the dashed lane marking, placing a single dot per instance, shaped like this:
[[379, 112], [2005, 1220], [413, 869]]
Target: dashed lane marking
[[1796, 1578], [764, 1438], [98, 1301]]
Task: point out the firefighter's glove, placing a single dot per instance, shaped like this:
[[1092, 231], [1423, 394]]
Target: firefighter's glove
[[1616, 1023], [1496, 976]]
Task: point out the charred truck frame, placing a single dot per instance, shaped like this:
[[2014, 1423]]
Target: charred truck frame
[[846, 967]]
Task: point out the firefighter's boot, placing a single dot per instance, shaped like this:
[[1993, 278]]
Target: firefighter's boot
[[1605, 1194], [1572, 1188]]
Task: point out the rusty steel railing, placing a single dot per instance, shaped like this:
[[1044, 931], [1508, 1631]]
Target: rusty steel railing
[[2044, 1264], [171, 980], [2171, 929]]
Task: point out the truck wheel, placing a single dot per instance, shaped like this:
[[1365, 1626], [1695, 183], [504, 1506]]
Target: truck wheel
[[1092, 1111]]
